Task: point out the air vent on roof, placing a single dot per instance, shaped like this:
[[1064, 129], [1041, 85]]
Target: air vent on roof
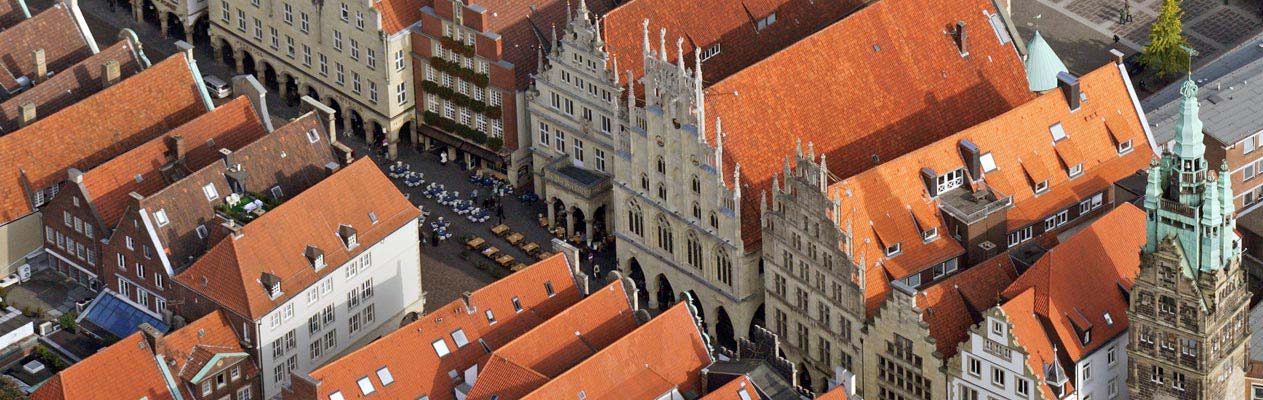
[[139, 178], [372, 216]]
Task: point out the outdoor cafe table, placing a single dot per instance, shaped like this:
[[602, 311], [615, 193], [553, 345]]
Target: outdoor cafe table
[[490, 252], [499, 230], [518, 267], [475, 242], [514, 238], [530, 247], [543, 255], [504, 260]]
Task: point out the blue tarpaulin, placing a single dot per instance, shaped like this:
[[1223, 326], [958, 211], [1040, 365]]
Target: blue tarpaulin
[[118, 317]]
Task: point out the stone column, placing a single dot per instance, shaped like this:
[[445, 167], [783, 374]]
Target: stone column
[[569, 224], [283, 79], [137, 10], [392, 144], [258, 72], [346, 118], [239, 56], [651, 288], [163, 23], [587, 227], [552, 213], [188, 34]]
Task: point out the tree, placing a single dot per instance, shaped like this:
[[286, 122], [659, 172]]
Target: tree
[[1167, 51]]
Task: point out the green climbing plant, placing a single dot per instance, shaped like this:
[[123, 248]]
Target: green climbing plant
[[1167, 50]]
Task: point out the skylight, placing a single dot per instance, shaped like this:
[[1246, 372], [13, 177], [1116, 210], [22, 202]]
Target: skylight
[[1058, 133], [440, 348], [384, 375], [1109, 319], [366, 386], [458, 336], [988, 163], [336, 395], [745, 395]]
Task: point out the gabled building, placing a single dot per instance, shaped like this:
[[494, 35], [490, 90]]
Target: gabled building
[[473, 63], [85, 78], [34, 160], [1189, 304], [913, 334], [441, 353], [993, 188], [326, 271], [1061, 331], [161, 228], [42, 46], [79, 222], [349, 55], [201, 361]]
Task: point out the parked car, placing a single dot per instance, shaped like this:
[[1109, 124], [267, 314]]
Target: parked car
[[217, 87]]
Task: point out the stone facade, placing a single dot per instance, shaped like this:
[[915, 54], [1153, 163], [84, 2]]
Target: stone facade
[[573, 147], [180, 18], [992, 364], [813, 289], [901, 360], [343, 54], [1189, 304]]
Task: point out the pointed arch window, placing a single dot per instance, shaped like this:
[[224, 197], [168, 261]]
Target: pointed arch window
[[694, 250], [635, 219], [665, 239], [662, 165], [697, 185], [723, 266], [714, 220]]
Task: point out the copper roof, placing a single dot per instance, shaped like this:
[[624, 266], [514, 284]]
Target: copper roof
[[55, 31], [408, 352], [274, 243], [96, 129], [72, 85]]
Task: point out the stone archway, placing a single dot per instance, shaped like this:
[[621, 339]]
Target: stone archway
[[406, 134], [804, 376], [173, 27], [149, 13], [311, 92], [199, 31], [247, 64], [270, 79], [558, 211], [227, 55], [339, 120], [357, 124], [289, 88], [666, 295], [724, 334], [637, 275], [377, 133], [580, 223]]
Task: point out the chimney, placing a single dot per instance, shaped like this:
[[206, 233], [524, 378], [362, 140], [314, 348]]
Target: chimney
[[109, 73], [1070, 87], [973, 158], [41, 65], [178, 150], [959, 36], [153, 336], [225, 154], [465, 298], [1118, 56], [26, 114], [332, 167]]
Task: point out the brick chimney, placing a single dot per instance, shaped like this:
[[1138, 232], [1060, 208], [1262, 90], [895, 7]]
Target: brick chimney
[[41, 65], [153, 336], [26, 114], [178, 150], [109, 73], [961, 39], [1069, 85]]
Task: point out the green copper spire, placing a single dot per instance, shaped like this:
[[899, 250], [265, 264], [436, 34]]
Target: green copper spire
[[1042, 65], [1188, 129]]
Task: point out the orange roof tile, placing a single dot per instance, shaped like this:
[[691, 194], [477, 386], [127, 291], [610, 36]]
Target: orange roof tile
[[731, 25], [186, 347], [667, 352], [408, 352], [732, 390], [1082, 280], [1027, 328], [939, 91], [11, 13], [54, 30], [71, 85], [838, 393], [96, 129], [887, 191], [956, 303], [98, 377], [398, 15], [231, 126], [557, 344], [229, 272]]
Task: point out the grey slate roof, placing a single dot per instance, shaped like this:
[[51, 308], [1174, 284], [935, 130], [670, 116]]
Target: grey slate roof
[[1231, 96]]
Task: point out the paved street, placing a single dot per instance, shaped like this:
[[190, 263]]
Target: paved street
[[1082, 31]]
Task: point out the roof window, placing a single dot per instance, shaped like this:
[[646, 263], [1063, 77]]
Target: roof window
[[336, 396], [458, 336], [161, 217], [312, 136], [1057, 131], [1041, 186], [1108, 319], [366, 386], [384, 375], [440, 347], [988, 163], [893, 250]]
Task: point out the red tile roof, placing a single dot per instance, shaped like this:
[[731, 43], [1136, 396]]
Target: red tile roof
[[231, 126], [408, 352], [55, 31], [956, 303], [667, 352], [191, 347], [1083, 279], [556, 345], [525, 26], [891, 195], [732, 390], [230, 271], [1021, 313], [732, 25], [939, 92], [72, 85], [398, 15], [838, 393], [11, 13], [102, 377], [96, 129]]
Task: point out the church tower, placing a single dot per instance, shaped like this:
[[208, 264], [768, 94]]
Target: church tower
[[1189, 303]]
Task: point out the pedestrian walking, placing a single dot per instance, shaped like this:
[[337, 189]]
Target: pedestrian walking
[[1116, 39]]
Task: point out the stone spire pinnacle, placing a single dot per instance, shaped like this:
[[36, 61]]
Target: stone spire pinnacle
[[631, 96], [662, 44], [1188, 129], [569, 16], [824, 173], [736, 183], [554, 42], [719, 152], [583, 9], [644, 28], [1225, 190], [679, 57]]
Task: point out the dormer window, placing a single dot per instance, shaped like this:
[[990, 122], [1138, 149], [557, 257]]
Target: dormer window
[[1041, 186], [271, 284], [1124, 147], [347, 233], [893, 250], [950, 180], [1076, 170], [312, 136], [929, 234], [316, 256]]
